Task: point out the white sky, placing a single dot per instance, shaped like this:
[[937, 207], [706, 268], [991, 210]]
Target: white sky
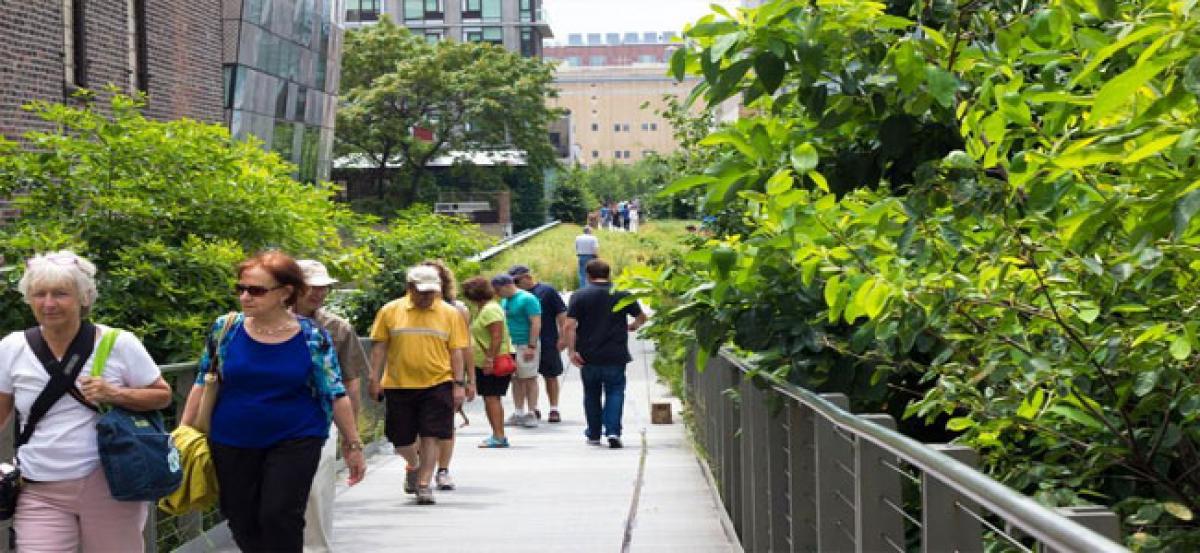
[[619, 16]]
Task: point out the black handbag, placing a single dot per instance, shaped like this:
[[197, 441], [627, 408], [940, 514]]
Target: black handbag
[[62, 381]]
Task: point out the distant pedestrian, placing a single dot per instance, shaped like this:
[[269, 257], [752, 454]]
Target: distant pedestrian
[[523, 314], [625, 215], [416, 371], [604, 216], [598, 342], [587, 248], [635, 214], [554, 317], [491, 346], [318, 516]]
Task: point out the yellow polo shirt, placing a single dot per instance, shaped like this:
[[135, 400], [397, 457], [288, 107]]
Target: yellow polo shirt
[[419, 342]]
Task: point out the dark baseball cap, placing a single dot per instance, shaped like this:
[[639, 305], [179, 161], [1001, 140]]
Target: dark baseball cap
[[501, 280], [518, 270]]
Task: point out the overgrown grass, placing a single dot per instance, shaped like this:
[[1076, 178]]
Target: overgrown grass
[[551, 255]]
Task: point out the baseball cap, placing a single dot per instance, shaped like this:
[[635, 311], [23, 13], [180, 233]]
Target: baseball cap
[[501, 280], [315, 273], [425, 279], [518, 270]]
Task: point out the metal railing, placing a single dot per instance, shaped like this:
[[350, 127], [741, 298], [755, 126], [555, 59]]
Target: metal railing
[[511, 241], [796, 471]]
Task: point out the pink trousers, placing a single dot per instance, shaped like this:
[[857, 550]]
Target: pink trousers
[[67, 515]]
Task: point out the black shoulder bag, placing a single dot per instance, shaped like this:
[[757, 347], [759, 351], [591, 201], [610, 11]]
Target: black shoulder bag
[[62, 381]]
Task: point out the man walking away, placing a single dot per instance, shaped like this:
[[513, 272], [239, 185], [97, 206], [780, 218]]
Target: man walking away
[[598, 342], [318, 516], [414, 370], [554, 316], [587, 247], [523, 314]]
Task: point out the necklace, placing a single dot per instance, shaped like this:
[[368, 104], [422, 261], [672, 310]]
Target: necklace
[[281, 329]]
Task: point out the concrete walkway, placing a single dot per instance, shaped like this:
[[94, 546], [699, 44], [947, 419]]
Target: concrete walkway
[[550, 491]]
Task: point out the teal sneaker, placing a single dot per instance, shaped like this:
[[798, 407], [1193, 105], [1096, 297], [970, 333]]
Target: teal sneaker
[[493, 442]]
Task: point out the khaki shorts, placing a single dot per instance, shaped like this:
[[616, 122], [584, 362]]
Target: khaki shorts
[[528, 369]]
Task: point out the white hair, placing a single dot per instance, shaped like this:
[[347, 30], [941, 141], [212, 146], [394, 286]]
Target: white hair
[[61, 267]]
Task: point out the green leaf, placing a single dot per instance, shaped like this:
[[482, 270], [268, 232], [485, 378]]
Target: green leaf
[[1153, 147], [686, 183], [1145, 382], [1181, 348], [1031, 404], [819, 180], [1111, 49], [1152, 333], [1184, 210], [875, 300], [770, 71], [958, 424], [780, 182], [804, 158], [833, 287], [1076, 415], [942, 85], [679, 63], [1122, 89]]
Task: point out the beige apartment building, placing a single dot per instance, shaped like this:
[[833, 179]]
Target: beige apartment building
[[608, 122]]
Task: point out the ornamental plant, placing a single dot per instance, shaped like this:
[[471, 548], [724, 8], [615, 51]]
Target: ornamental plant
[[977, 216]]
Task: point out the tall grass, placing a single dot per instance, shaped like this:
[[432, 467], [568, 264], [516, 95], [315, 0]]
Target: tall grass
[[551, 256]]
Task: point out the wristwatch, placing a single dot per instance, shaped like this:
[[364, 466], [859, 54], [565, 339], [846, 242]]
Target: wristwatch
[[462, 383], [353, 446]]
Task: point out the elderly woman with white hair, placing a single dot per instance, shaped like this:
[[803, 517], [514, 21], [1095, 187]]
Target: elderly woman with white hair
[[65, 503]]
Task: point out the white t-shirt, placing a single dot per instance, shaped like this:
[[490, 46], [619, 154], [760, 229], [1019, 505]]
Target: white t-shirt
[[586, 244], [64, 445]]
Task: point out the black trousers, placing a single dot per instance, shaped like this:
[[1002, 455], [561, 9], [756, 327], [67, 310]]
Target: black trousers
[[264, 492]]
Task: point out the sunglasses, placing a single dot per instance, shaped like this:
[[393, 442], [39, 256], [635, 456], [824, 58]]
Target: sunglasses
[[255, 291]]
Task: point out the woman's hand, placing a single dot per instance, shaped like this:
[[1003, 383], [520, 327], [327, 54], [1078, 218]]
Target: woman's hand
[[528, 353], [486, 367], [98, 390], [356, 462], [471, 390]]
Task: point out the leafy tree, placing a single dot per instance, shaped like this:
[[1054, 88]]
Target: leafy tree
[[469, 96], [165, 210], [571, 202], [979, 216]]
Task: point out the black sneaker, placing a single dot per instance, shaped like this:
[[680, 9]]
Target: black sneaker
[[614, 442], [537, 414]]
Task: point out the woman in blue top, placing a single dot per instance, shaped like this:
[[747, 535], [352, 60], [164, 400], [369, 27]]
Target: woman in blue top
[[280, 386]]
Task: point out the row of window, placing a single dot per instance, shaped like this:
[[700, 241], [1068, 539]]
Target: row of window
[[621, 154], [435, 10], [624, 127], [601, 61]]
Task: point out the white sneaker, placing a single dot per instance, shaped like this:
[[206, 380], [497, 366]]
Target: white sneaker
[[530, 421], [514, 420]]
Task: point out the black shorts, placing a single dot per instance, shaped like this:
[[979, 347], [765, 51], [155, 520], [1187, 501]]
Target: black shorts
[[551, 364], [487, 385], [425, 411]]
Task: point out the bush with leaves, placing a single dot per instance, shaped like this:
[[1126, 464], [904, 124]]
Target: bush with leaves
[[996, 199], [414, 235], [164, 209]]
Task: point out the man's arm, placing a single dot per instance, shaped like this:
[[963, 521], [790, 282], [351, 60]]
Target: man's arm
[[561, 321], [535, 329], [378, 364], [569, 331], [638, 321]]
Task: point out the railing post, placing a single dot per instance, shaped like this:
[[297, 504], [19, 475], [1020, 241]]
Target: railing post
[[733, 445], [802, 477], [777, 477], [835, 486], [1094, 517], [880, 527], [756, 499], [945, 525]]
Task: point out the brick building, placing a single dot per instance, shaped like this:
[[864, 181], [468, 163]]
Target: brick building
[[170, 49]]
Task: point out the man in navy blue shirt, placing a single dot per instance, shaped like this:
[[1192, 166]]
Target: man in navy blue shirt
[[598, 342], [554, 316]]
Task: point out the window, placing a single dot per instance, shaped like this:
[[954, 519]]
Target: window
[[433, 37], [616, 127], [473, 35], [595, 126], [647, 58], [494, 35], [433, 10], [363, 10], [491, 10], [574, 61], [596, 61], [631, 38], [141, 66], [654, 126], [617, 154], [414, 10], [472, 9], [626, 154], [595, 154], [528, 45], [75, 38], [645, 126], [526, 9], [625, 127]]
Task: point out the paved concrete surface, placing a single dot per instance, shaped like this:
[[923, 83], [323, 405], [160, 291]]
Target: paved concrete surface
[[550, 491]]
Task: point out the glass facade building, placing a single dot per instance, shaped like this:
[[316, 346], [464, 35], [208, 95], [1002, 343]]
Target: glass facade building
[[282, 68]]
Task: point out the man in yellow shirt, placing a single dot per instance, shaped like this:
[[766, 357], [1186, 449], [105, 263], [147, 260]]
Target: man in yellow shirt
[[414, 372]]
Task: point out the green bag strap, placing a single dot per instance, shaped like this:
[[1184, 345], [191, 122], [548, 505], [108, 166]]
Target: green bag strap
[[100, 357]]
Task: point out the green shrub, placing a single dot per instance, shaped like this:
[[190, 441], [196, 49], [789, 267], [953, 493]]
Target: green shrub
[[164, 209]]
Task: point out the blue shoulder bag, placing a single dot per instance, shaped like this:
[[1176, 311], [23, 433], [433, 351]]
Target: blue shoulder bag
[[139, 457]]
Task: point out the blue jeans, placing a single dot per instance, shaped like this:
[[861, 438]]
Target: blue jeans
[[583, 261], [603, 399]]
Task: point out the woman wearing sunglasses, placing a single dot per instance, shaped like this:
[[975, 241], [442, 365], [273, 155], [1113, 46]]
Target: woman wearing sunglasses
[[65, 503], [280, 387]]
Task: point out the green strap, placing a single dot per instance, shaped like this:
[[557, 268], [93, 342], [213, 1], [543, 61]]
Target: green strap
[[100, 357]]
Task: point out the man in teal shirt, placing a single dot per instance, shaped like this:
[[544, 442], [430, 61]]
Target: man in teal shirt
[[523, 313]]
